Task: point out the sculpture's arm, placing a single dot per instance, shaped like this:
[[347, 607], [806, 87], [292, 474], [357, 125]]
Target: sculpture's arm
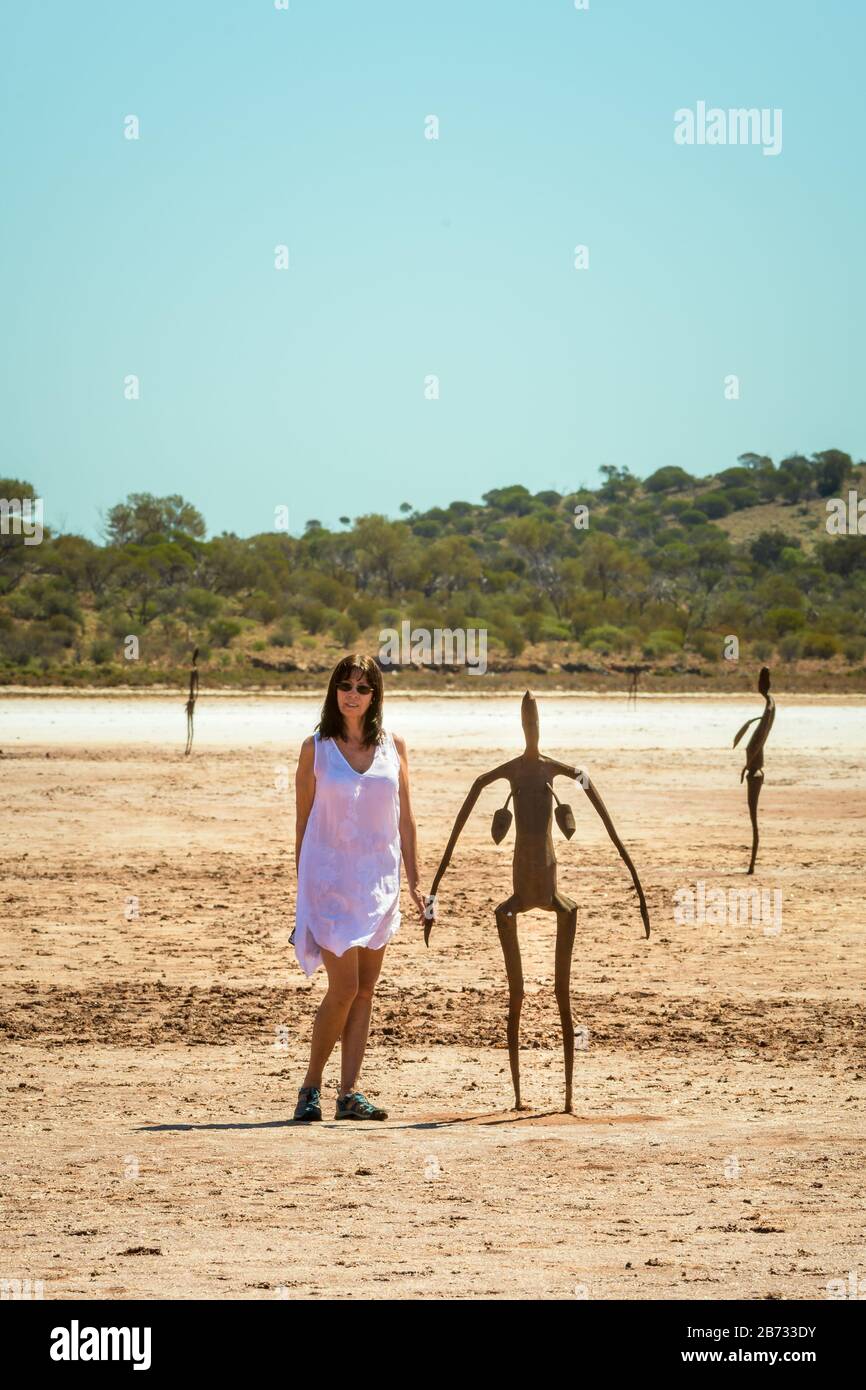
[[623, 852], [463, 815], [740, 732], [566, 770]]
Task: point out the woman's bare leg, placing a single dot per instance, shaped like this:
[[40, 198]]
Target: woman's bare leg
[[332, 1012], [357, 1026]]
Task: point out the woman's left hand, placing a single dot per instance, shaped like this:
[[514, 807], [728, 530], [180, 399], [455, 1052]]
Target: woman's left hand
[[418, 899]]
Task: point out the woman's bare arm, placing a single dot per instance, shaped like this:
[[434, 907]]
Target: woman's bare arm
[[305, 793], [408, 828]]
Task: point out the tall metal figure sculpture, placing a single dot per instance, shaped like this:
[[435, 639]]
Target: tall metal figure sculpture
[[754, 769], [530, 777], [190, 704]]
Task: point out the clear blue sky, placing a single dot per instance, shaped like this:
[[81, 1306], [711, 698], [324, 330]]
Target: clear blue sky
[[411, 256]]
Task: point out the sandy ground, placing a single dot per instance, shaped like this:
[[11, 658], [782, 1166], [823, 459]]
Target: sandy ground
[[151, 1061]]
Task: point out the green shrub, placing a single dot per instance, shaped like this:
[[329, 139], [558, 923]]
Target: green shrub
[[657, 647], [734, 477], [715, 505], [782, 620], [790, 558], [120, 625], [791, 647], [854, 648], [101, 651], [552, 630], [671, 635], [202, 604], [363, 610], [64, 628], [694, 517], [663, 641], [345, 629], [55, 596], [285, 634], [261, 606], [223, 631], [510, 634], [314, 616], [767, 548], [741, 497], [36, 641], [605, 638], [23, 604], [668, 479], [708, 644], [820, 646]]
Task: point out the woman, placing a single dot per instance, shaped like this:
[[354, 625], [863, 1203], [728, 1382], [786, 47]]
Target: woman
[[354, 817]]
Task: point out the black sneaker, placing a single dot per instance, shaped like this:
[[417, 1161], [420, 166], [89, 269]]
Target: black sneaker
[[309, 1104]]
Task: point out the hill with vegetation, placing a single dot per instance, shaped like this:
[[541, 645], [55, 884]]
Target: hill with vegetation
[[571, 588]]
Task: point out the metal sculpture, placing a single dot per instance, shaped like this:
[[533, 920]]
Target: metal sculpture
[[530, 777], [635, 672], [754, 769], [190, 704]]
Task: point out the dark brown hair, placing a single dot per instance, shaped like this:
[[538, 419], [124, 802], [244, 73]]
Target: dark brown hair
[[332, 724]]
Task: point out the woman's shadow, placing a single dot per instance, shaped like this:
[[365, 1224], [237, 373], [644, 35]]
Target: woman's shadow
[[490, 1117]]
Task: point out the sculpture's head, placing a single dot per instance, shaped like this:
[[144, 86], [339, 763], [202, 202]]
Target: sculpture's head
[[529, 720], [764, 681]]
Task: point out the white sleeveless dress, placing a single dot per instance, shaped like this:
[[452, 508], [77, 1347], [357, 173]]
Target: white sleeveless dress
[[349, 865]]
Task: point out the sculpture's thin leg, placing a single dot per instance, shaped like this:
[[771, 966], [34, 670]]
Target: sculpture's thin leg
[[506, 923], [754, 781], [566, 921]]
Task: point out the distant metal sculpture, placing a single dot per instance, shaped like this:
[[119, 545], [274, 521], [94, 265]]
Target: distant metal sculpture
[[190, 704], [530, 777], [754, 769], [635, 672]]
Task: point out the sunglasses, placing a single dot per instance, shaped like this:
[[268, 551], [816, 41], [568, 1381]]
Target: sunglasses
[[361, 689]]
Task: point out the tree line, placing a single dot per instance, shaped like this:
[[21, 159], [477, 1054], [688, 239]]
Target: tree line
[[633, 569]]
